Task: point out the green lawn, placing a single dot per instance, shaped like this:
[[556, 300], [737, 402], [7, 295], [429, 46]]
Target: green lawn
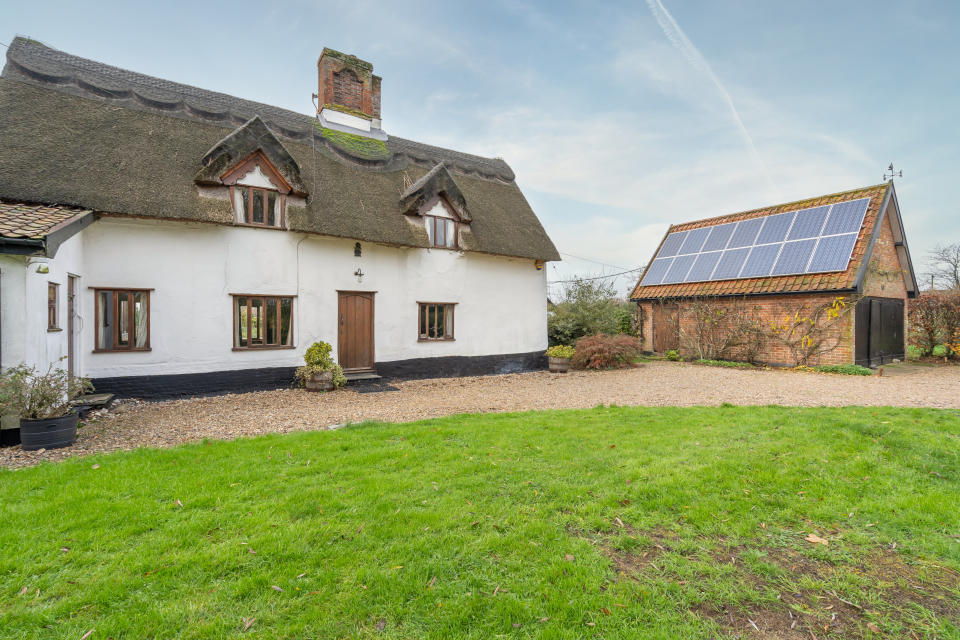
[[606, 523]]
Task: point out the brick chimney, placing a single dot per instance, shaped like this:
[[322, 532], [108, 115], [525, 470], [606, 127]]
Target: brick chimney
[[349, 94]]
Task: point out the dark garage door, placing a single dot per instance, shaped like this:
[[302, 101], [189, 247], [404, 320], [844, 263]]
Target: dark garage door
[[879, 337]]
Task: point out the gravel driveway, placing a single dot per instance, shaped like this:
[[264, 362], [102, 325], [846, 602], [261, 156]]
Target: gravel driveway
[[165, 424]]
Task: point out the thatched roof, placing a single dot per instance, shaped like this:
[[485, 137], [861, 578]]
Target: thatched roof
[[78, 132]]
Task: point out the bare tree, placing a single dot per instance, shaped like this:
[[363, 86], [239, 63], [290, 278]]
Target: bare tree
[[944, 269]]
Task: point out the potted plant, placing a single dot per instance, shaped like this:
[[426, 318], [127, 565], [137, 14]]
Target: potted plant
[[320, 372], [560, 356], [43, 402]]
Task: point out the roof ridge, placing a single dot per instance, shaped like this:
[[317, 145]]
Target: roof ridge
[[57, 70], [782, 204]]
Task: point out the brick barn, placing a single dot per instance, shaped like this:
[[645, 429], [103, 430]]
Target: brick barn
[[818, 281]]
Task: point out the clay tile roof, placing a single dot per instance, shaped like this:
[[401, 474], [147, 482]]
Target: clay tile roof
[[835, 281], [34, 221]]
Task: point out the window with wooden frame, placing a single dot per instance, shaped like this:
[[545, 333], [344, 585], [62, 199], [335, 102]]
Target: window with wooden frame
[[53, 304], [258, 192], [122, 319], [262, 322], [436, 321], [441, 231]]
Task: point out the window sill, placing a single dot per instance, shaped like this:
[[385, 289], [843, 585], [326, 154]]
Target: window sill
[[53, 329], [436, 339], [266, 348], [140, 350], [254, 225]]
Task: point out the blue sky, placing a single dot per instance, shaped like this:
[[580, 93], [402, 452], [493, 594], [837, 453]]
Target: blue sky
[[618, 118]]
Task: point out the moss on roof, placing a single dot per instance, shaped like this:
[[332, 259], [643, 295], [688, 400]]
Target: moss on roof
[[355, 145]]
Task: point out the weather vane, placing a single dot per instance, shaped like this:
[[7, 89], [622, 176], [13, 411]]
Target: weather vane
[[892, 173]]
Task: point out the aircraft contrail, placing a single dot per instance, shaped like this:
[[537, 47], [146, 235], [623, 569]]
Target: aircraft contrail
[[678, 39]]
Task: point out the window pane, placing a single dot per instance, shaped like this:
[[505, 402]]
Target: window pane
[[423, 321], [428, 220], [140, 319], [241, 302], [272, 201], [257, 207], [441, 234], [451, 233], [286, 321], [256, 321], [123, 319], [271, 321], [240, 203], [432, 321], [440, 319], [105, 320], [448, 313]]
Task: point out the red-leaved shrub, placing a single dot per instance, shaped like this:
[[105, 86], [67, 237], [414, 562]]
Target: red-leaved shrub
[[605, 352]]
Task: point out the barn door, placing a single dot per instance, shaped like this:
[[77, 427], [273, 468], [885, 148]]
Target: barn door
[[879, 331], [666, 331], [355, 333]]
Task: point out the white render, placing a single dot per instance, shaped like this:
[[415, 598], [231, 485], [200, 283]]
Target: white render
[[193, 268], [345, 119]]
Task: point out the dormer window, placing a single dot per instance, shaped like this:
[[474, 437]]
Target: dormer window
[[258, 192], [258, 206], [442, 225]]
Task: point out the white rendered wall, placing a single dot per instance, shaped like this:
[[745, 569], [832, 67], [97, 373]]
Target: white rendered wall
[[26, 338], [193, 269]]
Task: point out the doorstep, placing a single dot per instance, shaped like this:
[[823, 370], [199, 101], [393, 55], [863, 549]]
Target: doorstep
[[365, 375]]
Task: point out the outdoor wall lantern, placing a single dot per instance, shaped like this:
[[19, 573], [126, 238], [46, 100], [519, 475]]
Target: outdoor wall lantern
[[356, 250]]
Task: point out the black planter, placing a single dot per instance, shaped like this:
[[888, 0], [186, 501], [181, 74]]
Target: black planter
[[50, 433], [9, 437]]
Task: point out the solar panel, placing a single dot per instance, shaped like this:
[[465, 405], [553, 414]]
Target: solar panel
[[672, 244], [833, 253], [678, 270], [813, 240], [703, 267], [794, 257], [693, 243], [657, 270], [746, 233], [730, 264], [775, 227], [719, 236], [760, 261], [808, 223], [846, 217]]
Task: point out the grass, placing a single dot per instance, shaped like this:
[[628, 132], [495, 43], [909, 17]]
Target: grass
[[607, 523]]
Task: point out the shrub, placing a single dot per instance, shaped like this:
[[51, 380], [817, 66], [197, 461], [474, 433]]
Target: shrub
[[940, 351], [37, 396], [588, 307], [561, 351], [730, 364], [914, 353], [845, 369], [318, 359], [673, 354], [605, 352]]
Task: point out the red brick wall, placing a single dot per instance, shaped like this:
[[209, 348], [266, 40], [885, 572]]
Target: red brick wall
[[885, 275], [347, 89], [768, 310]]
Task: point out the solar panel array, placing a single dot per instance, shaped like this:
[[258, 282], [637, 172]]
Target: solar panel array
[[815, 240]]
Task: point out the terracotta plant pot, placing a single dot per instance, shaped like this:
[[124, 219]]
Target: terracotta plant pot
[[322, 381], [48, 433], [559, 365]]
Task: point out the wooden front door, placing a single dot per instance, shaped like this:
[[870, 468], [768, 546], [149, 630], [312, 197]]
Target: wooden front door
[[355, 333]]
